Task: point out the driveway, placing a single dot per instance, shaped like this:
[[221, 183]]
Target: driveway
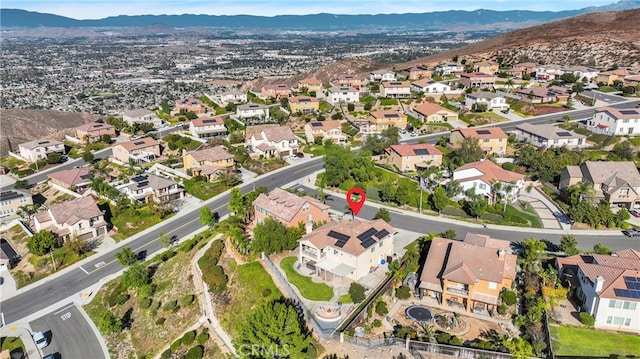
[[551, 216]]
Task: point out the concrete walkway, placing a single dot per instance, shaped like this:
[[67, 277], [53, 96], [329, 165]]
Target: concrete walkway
[[24, 332], [551, 216]]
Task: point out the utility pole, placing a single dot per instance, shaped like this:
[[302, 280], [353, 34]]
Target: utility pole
[[53, 259]]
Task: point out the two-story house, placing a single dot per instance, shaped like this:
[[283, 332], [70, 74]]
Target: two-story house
[[275, 91], [490, 99], [549, 136], [539, 95], [615, 122], [253, 110], [492, 140], [75, 179], [33, 151], [304, 104], [353, 81], [347, 249], [448, 68], [207, 127], [274, 141], [327, 130], [93, 132], [608, 287], [190, 105], [210, 162], [430, 112], [382, 75], [413, 157], [343, 94], [470, 273], [395, 89], [482, 177], [150, 187], [143, 149], [617, 182], [11, 201], [416, 73], [523, 68], [477, 80], [141, 115], [312, 84], [429, 86], [80, 218], [487, 67], [383, 119], [611, 76], [232, 96], [289, 209]]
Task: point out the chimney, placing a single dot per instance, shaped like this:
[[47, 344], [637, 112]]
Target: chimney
[[501, 254], [599, 284], [308, 227]]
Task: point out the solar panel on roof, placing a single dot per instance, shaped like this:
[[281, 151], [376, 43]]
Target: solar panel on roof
[[368, 242], [563, 134], [627, 293], [421, 151], [316, 124], [391, 115], [338, 235], [367, 234], [341, 242], [209, 121], [484, 132], [628, 112], [138, 143], [383, 233]]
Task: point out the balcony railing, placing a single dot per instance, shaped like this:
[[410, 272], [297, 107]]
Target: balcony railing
[[311, 254], [458, 291]]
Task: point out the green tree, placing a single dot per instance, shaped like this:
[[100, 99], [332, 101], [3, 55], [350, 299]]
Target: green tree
[[533, 251], [271, 236], [600, 249], [351, 107], [403, 292], [54, 157], [519, 348], [21, 184], [381, 308], [470, 150], [568, 244], [108, 323], [623, 151], [136, 276], [356, 292], [206, 216], [76, 245], [477, 206], [578, 87], [454, 188], [41, 242], [126, 257], [383, 214], [439, 199], [276, 326], [87, 157], [449, 233]]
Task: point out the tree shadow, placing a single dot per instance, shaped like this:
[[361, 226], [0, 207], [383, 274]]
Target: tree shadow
[[127, 319]]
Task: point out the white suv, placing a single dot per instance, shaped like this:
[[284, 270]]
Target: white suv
[[41, 340]]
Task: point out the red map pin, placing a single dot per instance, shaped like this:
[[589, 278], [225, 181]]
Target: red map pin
[[355, 206]]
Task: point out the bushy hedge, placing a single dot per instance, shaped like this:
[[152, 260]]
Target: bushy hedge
[[493, 217], [188, 337], [587, 319], [509, 166], [187, 300], [212, 273], [202, 337], [144, 303], [118, 296], [509, 297], [160, 321], [170, 305], [166, 354], [454, 211], [195, 353]]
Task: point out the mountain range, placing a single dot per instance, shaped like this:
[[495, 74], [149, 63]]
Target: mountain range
[[16, 18]]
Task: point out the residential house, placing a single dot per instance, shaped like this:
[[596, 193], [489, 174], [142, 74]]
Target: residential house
[[343, 94], [93, 132], [477, 80], [550, 72], [523, 68], [33, 151], [74, 179], [349, 81], [383, 119], [143, 149], [327, 130], [382, 75], [483, 175], [449, 68], [141, 115], [347, 249], [275, 91], [304, 104], [632, 80], [610, 77], [612, 121], [549, 136], [233, 96], [414, 157], [416, 73], [11, 201], [209, 162], [80, 218], [492, 139], [429, 86], [150, 187], [190, 105], [490, 99], [487, 67], [616, 182], [253, 110], [311, 84], [207, 127], [430, 112], [289, 209], [543, 94], [470, 273], [608, 287], [274, 141], [395, 89]]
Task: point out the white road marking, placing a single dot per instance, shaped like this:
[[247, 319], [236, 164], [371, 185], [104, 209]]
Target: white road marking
[[82, 269], [65, 308]]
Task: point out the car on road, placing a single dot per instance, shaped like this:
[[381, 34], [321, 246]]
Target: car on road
[[40, 339], [633, 232], [635, 212], [173, 241]]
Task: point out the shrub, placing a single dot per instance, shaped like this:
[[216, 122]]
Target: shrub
[[175, 345], [403, 292], [118, 299], [266, 292], [454, 211], [160, 321], [377, 323], [167, 255], [492, 217], [443, 338], [155, 305], [166, 354], [187, 300], [502, 309], [188, 337], [147, 291], [202, 338], [587, 319], [195, 353], [144, 303], [509, 166], [170, 305], [509, 297], [357, 292], [381, 308], [175, 309]]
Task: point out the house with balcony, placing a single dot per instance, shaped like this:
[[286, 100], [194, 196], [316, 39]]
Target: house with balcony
[[382, 75], [149, 187], [487, 67], [80, 218], [33, 151], [395, 89], [312, 84], [482, 177], [618, 182], [448, 68], [253, 111], [477, 80], [383, 119], [347, 249], [430, 112], [327, 130], [608, 287], [144, 149], [343, 94], [429, 86], [93, 132], [277, 141], [289, 208], [208, 127], [304, 104], [210, 162], [491, 100], [75, 179], [11, 201], [612, 121], [190, 105], [416, 73], [141, 115], [276, 91], [523, 68], [353, 81], [549, 136], [469, 273], [413, 157], [492, 140]]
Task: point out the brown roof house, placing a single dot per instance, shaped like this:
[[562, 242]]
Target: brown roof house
[[275, 91], [79, 217], [274, 141], [150, 187], [328, 130], [608, 287], [491, 139], [93, 132], [483, 175], [549, 136], [413, 157], [470, 273], [430, 112], [33, 151], [289, 209], [311, 84], [477, 79], [347, 249], [143, 149], [190, 105], [73, 179], [383, 119], [210, 162], [207, 127], [416, 72]]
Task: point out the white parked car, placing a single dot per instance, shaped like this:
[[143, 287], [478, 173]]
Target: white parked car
[[40, 339]]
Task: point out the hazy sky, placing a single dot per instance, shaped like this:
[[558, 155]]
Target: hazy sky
[[96, 9]]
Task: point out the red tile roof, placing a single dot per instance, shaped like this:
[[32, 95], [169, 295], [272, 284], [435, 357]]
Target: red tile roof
[[207, 121], [491, 172], [493, 132], [409, 150]]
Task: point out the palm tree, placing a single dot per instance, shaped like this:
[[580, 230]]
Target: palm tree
[[496, 187], [427, 333], [508, 188], [509, 83]]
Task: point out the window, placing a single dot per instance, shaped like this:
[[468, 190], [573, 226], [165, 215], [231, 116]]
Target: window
[[309, 218], [373, 249], [493, 285], [486, 140], [380, 245], [629, 305], [482, 186], [624, 191]]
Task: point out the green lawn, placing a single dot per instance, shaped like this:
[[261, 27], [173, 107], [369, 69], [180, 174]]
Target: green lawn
[[307, 287], [532, 218], [388, 101], [324, 106], [608, 89], [132, 221], [14, 345], [634, 141], [204, 190], [576, 341], [345, 299]]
